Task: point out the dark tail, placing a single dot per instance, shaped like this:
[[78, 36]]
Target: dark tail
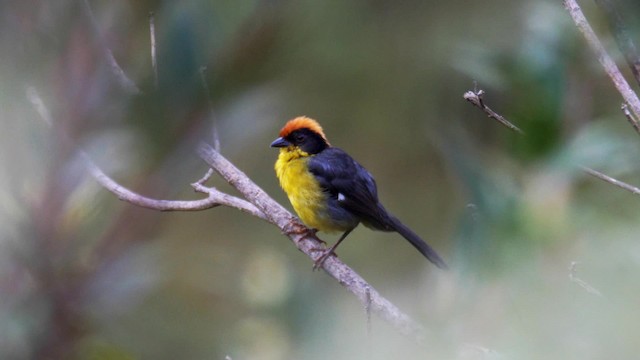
[[418, 243]]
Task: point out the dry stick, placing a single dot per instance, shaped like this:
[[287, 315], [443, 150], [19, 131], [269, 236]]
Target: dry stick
[[606, 61], [154, 62], [476, 99], [621, 34], [307, 242], [215, 197], [116, 70], [587, 170], [634, 190]]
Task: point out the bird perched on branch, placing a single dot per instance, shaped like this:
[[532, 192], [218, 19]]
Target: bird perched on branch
[[330, 191]]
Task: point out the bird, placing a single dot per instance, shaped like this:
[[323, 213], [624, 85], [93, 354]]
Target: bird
[[330, 191]]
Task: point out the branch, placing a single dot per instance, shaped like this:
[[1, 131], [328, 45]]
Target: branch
[[124, 81], [307, 242], [606, 61], [215, 198], [259, 204], [154, 62], [621, 34], [476, 99], [214, 126], [632, 189]]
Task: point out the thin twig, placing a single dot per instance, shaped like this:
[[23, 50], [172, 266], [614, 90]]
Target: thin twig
[[621, 34], [306, 242], [214, 123], [583, 284], [475, 97], [124, 81], [632, 189], [203, 180], [215, 198], [606, 61], [154, 62], [632, 120]]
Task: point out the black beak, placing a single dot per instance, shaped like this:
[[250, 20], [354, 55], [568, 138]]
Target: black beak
[[280, 142]]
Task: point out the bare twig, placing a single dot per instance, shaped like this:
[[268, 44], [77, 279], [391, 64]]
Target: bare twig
[[606, 61], [475, 97], [154, 62], [306, 242], [632, 120], [203, 180], [622, 37], [215, 198], [214, 123], [583, 284], [124, 81], [632, 189]]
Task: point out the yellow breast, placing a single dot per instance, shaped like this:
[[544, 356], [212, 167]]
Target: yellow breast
[[304, 192]]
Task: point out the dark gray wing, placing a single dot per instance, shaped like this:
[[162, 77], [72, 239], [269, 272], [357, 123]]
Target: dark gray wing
[[350, 185]]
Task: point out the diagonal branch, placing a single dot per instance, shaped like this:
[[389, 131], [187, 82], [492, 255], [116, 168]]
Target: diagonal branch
[[573, 277], [475, 97], [307, 242], [621, 34], [606, 61], [125, 82], [632, 189]]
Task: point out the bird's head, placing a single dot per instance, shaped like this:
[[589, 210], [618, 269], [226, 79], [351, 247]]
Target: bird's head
[[302, 133]]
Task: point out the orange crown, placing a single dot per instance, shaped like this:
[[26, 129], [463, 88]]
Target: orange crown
[[302, 122]]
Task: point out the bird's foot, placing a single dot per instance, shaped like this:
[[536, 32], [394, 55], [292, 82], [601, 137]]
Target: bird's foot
[[325, 254], [296, 228]]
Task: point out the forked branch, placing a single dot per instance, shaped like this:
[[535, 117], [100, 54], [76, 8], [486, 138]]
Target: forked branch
[[259, 204]]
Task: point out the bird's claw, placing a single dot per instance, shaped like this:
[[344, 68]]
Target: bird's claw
[[320, 260], [296, 228]]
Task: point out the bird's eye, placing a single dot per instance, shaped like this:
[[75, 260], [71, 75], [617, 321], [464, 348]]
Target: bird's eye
[[299, 137]]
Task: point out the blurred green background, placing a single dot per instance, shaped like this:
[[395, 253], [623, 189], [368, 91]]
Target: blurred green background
[[85, 276]]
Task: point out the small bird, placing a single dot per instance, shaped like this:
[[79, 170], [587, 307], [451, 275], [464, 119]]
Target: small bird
[[330, 191]]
